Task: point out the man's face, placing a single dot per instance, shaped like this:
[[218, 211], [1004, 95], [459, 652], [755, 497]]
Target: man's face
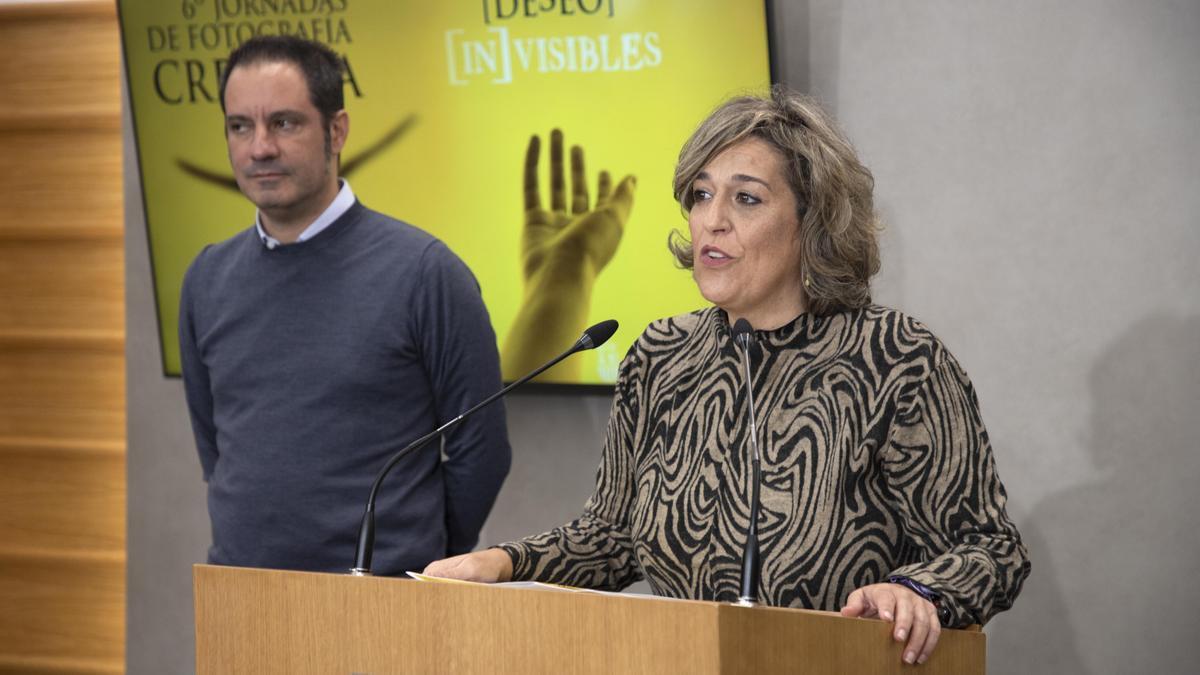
[[277, 143]]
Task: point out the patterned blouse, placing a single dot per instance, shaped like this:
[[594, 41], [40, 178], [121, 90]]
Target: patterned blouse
[[875, 462]]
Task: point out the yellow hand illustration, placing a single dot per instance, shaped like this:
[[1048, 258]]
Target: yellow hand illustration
[[562, 251]]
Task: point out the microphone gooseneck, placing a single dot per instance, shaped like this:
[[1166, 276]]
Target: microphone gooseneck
[[592, 337], [743, 336]]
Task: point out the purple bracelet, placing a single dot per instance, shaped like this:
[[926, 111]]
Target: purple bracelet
[[918, 588]]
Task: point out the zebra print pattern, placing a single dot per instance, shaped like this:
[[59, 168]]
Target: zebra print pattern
[[875, 462]]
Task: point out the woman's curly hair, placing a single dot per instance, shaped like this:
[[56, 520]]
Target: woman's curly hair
[[838, 225]]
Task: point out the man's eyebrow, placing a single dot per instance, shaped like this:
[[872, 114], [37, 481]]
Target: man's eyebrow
[[271, 115]]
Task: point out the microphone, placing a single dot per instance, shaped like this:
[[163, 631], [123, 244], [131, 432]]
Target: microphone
[[743, 336], [592, 337]]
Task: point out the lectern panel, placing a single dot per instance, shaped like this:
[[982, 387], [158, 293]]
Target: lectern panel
[[265, 621]]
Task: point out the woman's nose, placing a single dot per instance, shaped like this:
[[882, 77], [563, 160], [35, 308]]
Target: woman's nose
[[717, 217]]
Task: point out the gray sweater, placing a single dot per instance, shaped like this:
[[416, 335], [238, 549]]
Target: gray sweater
[[307, 366]]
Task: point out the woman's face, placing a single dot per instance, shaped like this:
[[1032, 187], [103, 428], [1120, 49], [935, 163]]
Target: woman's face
[[745, 235]]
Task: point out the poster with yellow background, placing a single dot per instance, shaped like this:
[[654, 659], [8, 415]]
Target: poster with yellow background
[[443, 99]]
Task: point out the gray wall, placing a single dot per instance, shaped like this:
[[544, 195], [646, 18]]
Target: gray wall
[[1037, 166]]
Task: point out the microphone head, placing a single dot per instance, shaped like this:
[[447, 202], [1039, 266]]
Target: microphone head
[[597, 335], [743, 332]]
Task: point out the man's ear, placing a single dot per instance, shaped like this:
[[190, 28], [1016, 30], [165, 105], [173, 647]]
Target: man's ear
[[339, 129]]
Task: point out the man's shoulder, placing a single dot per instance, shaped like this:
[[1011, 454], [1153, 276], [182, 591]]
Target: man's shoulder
[[413, 253], [414, 244], [383, 225], [221, 253]]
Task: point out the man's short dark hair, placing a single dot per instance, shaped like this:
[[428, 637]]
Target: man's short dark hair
[[322, 68]]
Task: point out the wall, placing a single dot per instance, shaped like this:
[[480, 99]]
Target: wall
[[62, 367], [1036, 165]]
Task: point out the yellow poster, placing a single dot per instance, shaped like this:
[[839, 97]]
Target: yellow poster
[[444, 99]]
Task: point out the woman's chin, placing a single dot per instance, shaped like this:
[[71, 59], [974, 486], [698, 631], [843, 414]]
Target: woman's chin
[[715, 291]]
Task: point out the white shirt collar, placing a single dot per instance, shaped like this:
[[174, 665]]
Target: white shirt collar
[[340, 204]]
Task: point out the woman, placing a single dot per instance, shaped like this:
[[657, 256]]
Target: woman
[[879, 492]]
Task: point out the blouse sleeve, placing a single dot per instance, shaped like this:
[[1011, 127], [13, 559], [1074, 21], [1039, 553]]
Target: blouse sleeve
[[951, 503], [596, 549]]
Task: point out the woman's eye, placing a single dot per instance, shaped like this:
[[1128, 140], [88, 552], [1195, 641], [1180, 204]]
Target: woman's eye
[[699, 194], [747, 198]]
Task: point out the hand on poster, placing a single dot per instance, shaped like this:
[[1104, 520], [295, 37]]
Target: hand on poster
[[563, 249]]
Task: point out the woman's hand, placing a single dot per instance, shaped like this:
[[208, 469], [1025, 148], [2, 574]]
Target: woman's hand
[[488, 566], [915, 617]]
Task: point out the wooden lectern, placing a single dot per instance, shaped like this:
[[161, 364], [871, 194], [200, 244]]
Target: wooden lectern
[[268, 621]]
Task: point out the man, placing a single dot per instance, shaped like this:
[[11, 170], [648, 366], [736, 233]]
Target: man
[[325, 338]]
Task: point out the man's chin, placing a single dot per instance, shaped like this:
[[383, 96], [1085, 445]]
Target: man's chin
[[265, 199]]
